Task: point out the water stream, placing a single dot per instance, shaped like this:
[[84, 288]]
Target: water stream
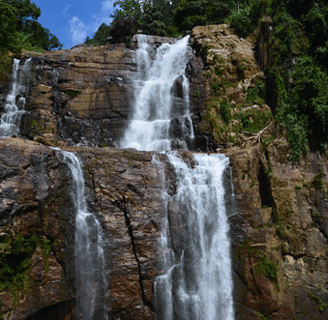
[[196, 284], [155, 124], [89, 250], [15, 101]]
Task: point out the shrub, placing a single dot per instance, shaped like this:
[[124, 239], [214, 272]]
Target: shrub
[[225, 111], [268, 268]]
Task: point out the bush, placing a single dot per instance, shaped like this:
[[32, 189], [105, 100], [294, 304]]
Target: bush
[[241, 21], [268, 268], [225, 111]]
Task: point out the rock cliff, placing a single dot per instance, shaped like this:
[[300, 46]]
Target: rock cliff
[[85, 96], [37, 227], [81, 100]]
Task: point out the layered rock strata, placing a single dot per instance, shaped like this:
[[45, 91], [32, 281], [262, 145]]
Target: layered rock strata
[[85, 96]]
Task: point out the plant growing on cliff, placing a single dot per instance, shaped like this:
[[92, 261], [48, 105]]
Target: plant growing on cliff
[[317, 182], [15, 261], [268, 268], [322, 305], [225, 110]]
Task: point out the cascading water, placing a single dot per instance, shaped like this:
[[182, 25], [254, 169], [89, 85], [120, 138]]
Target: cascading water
[[204, 290], [151, 127], [198, 284], [15, 101], [89, 251]]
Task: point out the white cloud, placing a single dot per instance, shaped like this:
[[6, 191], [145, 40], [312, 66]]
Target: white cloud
[[65, 10], [107, 5], [78, 30]]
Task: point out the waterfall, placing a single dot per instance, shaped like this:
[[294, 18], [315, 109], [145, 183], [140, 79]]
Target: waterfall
[[15, 101], [197, 284], [152, 127], [204, 290], [89, 250]]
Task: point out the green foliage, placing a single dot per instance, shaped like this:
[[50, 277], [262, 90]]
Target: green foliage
[[225, 111], [305, 109], [5, 63], [7, 24], [173, 32], [241, 21], [317, 182], [40, 37], [191, 13], [282, 232], [20, 30], [128, 10], [196, 94], [15, 261], [99, 38], [244, 18], [254, 121], [262, 317], [322, 305], [268, 268], [152, 19], [73, 94], [268, 141], [256, 95]]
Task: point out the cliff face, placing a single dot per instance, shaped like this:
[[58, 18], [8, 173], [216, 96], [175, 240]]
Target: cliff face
[[122, 188], [84, 96], [280, 241]]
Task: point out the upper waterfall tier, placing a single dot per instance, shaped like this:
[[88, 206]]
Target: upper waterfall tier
[[85, 96], [152, 128]]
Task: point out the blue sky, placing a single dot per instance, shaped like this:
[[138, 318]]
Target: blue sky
[[73, 20]]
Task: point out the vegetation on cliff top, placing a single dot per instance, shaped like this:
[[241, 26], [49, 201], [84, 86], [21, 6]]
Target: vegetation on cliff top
[[19, 29]]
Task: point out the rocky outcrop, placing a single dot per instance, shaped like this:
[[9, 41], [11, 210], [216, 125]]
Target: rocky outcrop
[[235, 108]]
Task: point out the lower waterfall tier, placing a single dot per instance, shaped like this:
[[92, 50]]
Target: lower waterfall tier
[[277, 274]]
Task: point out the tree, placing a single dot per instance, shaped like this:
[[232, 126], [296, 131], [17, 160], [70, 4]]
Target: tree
[[26, 32], [24, 10], [152, 20], [41, 37], [128, 10], [7, 24], [99, 38]]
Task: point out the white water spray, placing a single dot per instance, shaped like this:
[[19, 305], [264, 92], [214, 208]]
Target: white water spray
[[205, 288], [89, 251], [15, 101], [151, 127], [198, 284]]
